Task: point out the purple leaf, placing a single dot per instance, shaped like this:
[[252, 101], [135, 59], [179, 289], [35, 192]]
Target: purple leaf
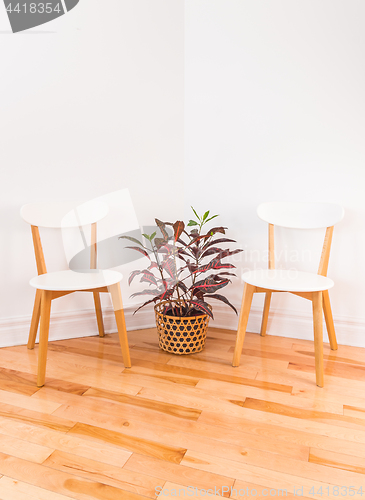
[[214, 264], [210, 285], [211, 251], [224, 274], [217, 230], [226, 253], [168, 265], [148, 302], [219, 240], [132, 276], [162, 227], [178, 229], [153, 265], [140, 250], [201, 306], [182, 285], [146, 292], [192, 267], [159, 242], [222, 298], [148, 277]]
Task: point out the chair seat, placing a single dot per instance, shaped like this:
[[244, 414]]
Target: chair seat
[[71, 280], [287, 280]]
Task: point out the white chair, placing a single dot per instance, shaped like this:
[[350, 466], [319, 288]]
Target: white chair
[[307, 285], [50, 286]]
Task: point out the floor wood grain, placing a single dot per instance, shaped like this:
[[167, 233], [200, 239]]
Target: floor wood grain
[[181, 426]]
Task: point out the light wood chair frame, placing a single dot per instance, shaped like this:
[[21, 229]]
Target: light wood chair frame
[[43, 299], [320, 303]]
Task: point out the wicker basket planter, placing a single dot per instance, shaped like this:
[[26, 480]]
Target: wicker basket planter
[[184, 335]]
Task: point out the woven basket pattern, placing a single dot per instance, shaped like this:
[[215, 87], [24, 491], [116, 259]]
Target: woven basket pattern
[[180, 335]]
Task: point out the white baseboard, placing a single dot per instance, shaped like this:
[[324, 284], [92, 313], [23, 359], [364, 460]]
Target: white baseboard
[[296, 325], [72, 324], [82, 323]]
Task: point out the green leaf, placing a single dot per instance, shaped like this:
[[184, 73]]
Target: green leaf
[[146, 236], [192, 223], [206, 215], [210, 218], [197, 216], [152, 236]]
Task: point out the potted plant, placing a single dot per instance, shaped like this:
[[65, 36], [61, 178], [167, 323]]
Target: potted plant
[[185, 271]]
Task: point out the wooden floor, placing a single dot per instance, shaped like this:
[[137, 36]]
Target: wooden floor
[[174, 426]]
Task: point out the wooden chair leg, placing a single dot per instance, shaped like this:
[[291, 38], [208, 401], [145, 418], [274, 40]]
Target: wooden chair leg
[[329, 320], [99, 314], [35, 319], [242, 324], [43, 336], [318, 336], [120, 319], [265, 315]]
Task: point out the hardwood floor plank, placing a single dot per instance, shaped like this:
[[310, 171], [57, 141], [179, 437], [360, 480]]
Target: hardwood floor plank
[[106, 348], [325, 437], [327, 395], [285, 357], [99, 431], [169, 409], [92, 405], [188, 434], [20, 448], [193, 398], [116, 357], [173, 490], [61, 482], [353, 411], [305, 381], [27, 403], [66, 386], [246, 490], [346, 354], [14, 413], [184, 475], [19, 382], [102, 379], [57, 440], [301, 413], [205, 370], [283, 483], [146, 368], [232, 391], [11, 489], [350, 372], [248, 367], [143, 446], [135, 377], [338, 461], [106, 474], [305, 470], [61, 367]]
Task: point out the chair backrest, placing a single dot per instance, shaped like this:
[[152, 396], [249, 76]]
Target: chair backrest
[[297, 215], [300, 215], [60, 215], [63, 214]]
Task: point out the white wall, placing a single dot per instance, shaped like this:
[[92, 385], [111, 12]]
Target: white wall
[[274, 110], [89, 103], [94, 102]]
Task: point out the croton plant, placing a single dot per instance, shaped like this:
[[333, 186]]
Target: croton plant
[[179, 261]]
